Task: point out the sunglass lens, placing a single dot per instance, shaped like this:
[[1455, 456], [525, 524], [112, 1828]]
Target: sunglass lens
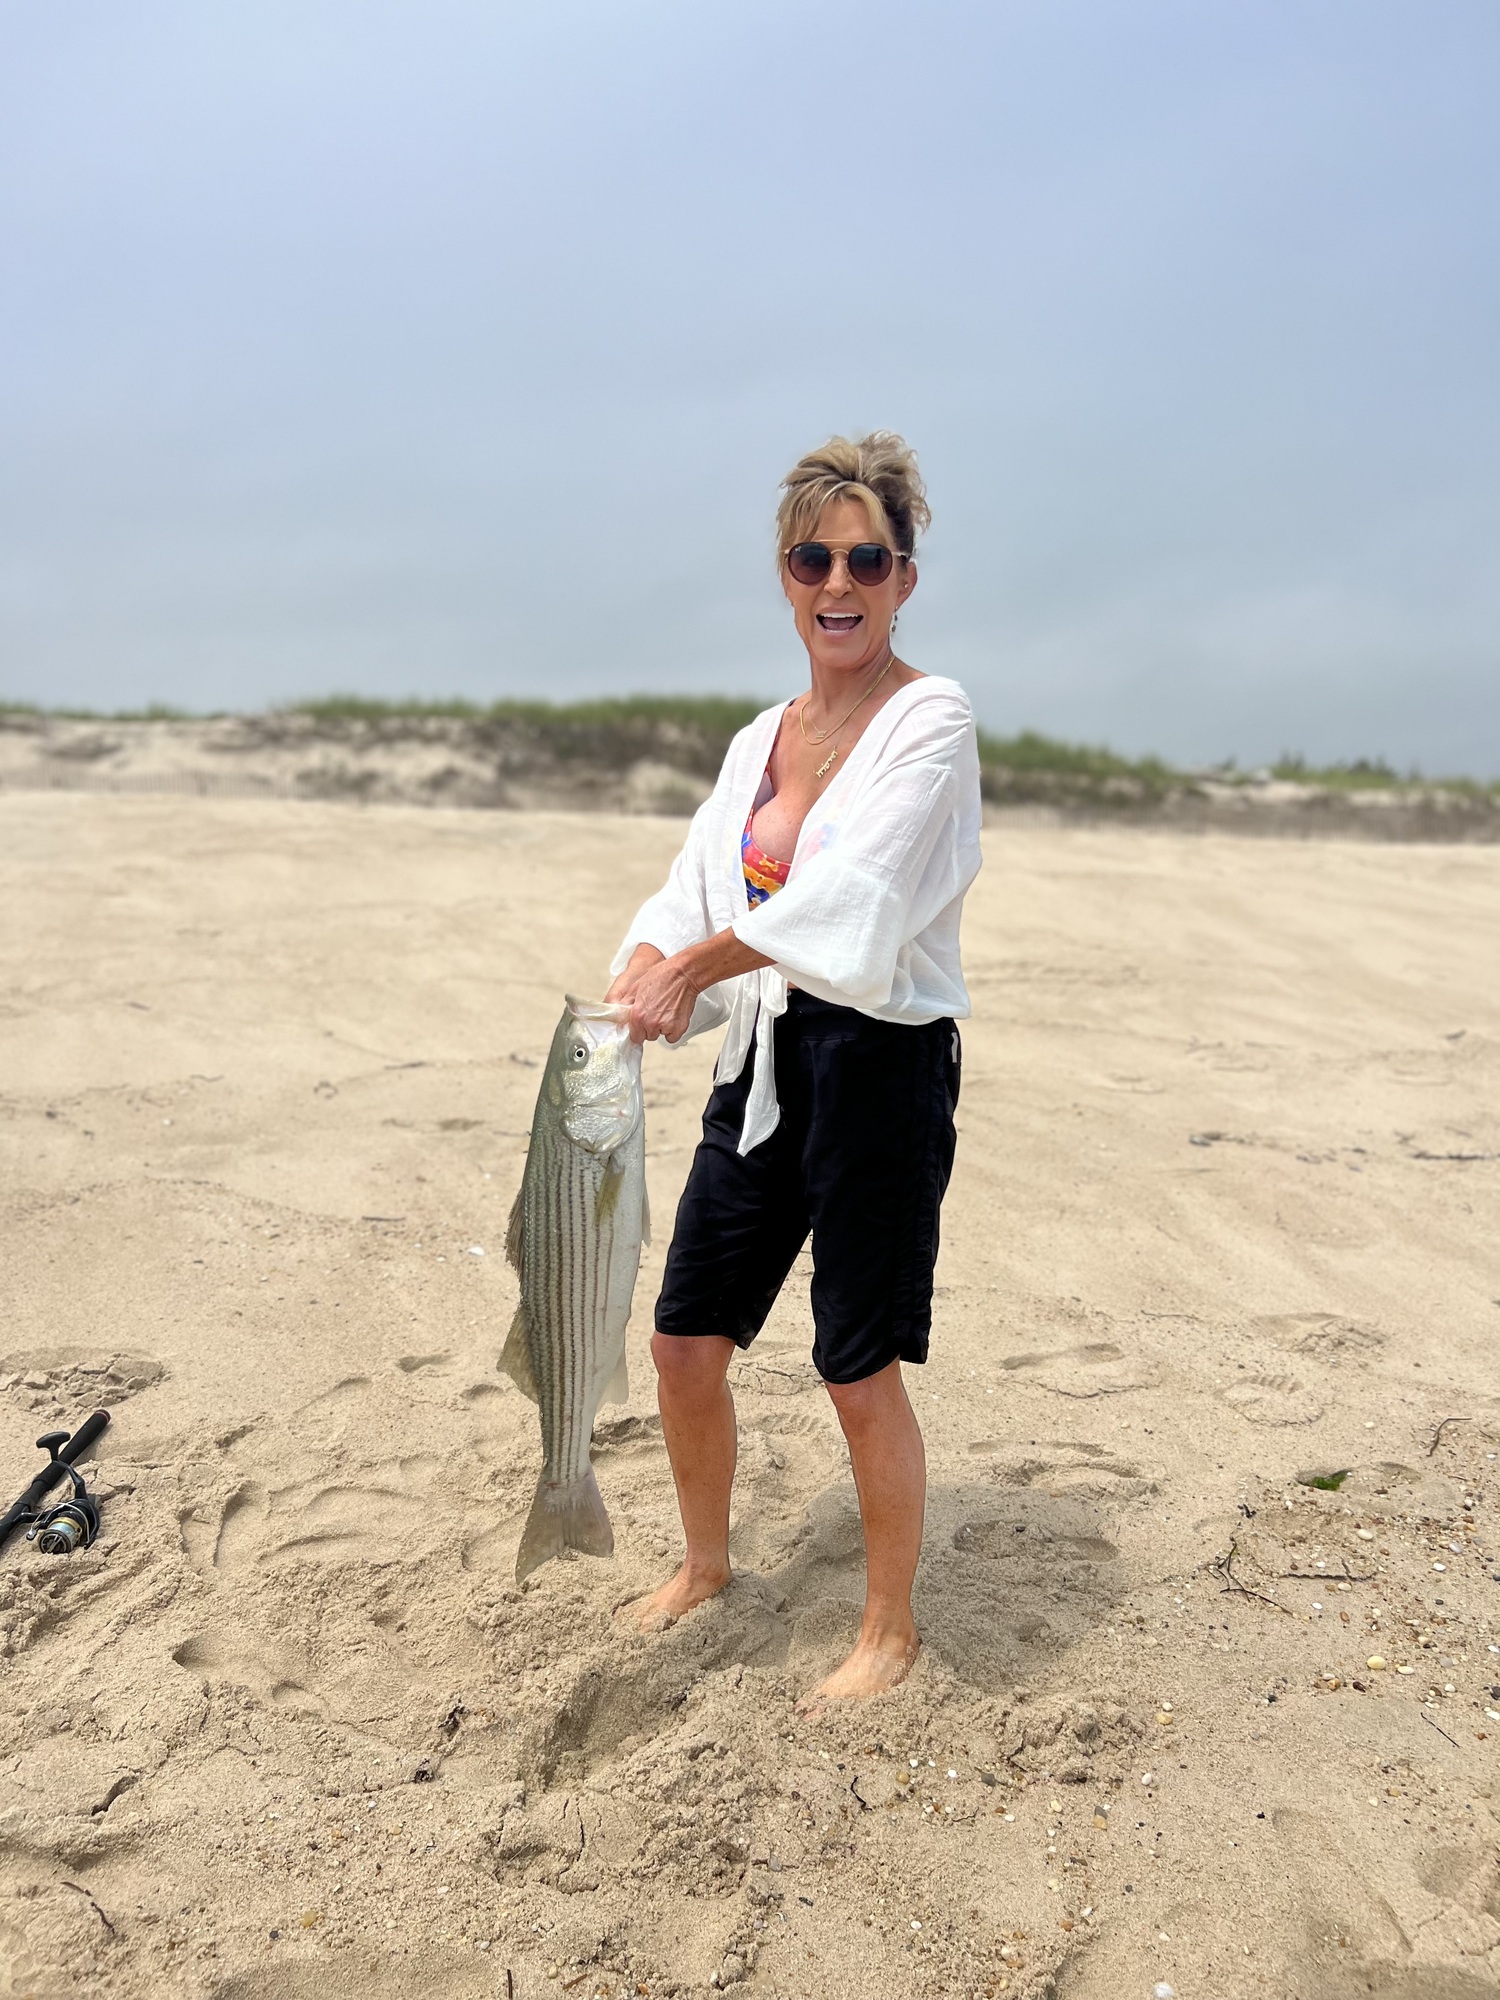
[[870, 563], [809, 562]]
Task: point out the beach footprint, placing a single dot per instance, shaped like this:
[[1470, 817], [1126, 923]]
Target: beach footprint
[[1068, 1467], [381, 1513], [63, 1384], [1092, 1368], [627, 1437], [992, 1539], [775, 1368], [1004, 1573], [1390, 1487], [637, 1698], [444, 1979], [363, 1682], [222, 1657], [343, 1522], [1321, 1335], [1277, 1401], [226, 1537]]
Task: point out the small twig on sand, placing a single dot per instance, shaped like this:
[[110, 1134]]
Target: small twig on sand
[[1441, 1731], [1437, 1436], [79, 1890], [1223, 1566], [510, 1984]]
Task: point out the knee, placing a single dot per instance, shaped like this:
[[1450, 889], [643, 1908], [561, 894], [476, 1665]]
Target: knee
[[690, 1364], [858, 1404]]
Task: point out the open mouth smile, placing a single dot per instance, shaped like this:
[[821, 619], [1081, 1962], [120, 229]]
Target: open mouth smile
[[840, 621]]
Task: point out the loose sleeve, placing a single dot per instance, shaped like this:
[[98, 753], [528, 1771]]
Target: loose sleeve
[[881, 873], [677, 915]]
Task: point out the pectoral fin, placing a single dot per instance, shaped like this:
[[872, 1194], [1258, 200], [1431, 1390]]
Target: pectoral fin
[[515, 1356], [515, 1229], [609, 1191]]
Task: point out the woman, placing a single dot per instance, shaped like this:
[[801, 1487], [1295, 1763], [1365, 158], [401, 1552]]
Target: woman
[[816, 907]]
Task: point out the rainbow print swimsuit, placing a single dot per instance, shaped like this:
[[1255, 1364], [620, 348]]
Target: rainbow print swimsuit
[[764, 875]]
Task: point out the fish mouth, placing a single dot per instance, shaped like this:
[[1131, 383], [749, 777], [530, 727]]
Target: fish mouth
[[595, 1010]]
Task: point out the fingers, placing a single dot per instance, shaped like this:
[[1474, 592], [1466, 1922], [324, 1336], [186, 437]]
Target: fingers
[[659, 1022], [661, 1004], [645, 1018]]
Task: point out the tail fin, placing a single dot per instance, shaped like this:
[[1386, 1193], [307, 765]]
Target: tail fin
[[564, 1517]]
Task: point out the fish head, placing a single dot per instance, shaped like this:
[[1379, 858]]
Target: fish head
[[594, 1076]]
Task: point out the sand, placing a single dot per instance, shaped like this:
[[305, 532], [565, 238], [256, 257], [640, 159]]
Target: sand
[[1224, 1214]]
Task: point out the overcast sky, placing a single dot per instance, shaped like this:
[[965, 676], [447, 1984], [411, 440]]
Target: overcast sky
[[453, 346]]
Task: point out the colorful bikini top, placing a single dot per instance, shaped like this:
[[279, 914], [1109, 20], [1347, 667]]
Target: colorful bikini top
[[764, 874]]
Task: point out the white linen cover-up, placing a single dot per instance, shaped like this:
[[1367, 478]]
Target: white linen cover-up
[[869, 914]]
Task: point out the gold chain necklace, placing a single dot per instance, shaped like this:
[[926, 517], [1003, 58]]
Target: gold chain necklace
[[820, 737]]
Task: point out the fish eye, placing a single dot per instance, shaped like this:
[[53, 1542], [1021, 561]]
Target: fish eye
[[578, 1053]]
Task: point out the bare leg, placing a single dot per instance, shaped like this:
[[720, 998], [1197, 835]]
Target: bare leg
[[890, 1475], [697, 1420]]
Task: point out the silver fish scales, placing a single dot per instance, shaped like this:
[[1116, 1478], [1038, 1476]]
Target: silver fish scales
[[575, 1239]]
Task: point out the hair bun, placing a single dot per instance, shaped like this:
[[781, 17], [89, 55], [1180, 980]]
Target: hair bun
[[879, 469]]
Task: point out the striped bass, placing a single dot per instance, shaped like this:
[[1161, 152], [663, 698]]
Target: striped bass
[[575, 1238]]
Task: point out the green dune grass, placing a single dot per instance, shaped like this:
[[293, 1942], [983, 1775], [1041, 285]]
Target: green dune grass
[[692, 732]]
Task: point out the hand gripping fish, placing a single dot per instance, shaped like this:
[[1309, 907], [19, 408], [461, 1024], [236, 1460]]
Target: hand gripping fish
[[575, 1240]]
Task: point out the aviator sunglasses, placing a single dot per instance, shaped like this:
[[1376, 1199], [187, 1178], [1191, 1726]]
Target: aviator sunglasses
[[812, 562]]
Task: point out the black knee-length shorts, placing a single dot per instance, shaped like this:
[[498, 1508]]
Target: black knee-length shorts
[[860, 1159]]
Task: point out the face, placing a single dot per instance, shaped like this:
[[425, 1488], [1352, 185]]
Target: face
[[844, 625]]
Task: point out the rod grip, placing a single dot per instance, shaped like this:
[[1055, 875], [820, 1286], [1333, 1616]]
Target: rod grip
[[88, 1432]]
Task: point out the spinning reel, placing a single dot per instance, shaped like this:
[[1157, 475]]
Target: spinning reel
[[70, 1524], [73, 1524]]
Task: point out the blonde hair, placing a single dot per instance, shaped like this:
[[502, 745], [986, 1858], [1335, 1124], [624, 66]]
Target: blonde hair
[[881, 470]]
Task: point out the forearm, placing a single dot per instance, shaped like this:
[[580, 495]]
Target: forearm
[[663, 991], [721, 957]]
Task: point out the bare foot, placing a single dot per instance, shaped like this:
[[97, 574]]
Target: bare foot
[[679, 1594], [869, 1670]]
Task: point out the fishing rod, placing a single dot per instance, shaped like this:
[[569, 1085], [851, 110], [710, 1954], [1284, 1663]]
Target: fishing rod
[[57, 1531]]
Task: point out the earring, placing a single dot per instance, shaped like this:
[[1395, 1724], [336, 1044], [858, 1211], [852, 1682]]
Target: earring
[[895, 616]]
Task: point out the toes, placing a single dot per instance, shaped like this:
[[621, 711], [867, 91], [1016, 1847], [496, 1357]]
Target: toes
[[642, 1614]]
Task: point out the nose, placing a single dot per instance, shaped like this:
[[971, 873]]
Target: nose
[[839, 579]]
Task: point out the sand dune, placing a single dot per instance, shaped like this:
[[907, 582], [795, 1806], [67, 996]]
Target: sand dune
[[655, 756], [1224, 1219]]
